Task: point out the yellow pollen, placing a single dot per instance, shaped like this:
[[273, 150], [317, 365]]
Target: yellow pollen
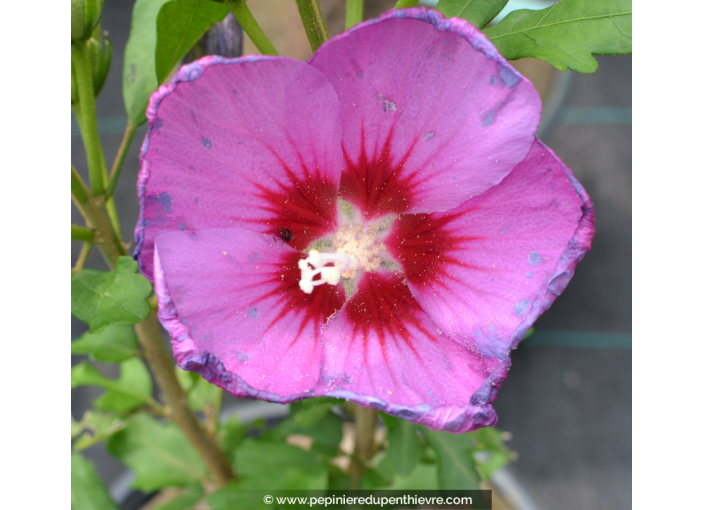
[[353, 241]]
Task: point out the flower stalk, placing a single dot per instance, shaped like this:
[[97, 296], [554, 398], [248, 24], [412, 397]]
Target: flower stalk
[[88, 121], [313, 22], [120, 158], [251, 27], [354, 10]]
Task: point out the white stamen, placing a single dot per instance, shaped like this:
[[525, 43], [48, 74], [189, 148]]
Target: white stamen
[[355, 249], [328, 274]]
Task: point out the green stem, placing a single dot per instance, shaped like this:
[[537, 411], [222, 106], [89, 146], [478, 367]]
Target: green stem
[[79, 233], [88, 122], [353, 12], [120, 158], [251, 27], [95, 212], [402, 4], [365, 424], [79, 191], [85, 251], [313, 22]]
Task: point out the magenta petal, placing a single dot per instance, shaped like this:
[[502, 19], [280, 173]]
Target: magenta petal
[[229, 299], [486, 270], [383, 351], [432, 114], [251, 142]]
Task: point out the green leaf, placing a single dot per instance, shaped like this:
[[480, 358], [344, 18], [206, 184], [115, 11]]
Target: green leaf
[[88, 492], [456, 468], [100, 425], [326, 434], [190, 497], [491, 454], [160, 455], [423, 477], [269, 466], [111, 344], [477, 12], [101, 298], [131, 389], [139, 71], [200, 392], [405, 447], [179, 25], [233, 433], [566, 34]]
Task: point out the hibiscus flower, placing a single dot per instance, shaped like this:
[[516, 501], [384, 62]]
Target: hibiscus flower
[[379, 224]]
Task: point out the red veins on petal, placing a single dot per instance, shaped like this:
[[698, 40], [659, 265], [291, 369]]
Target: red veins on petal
[[383, 303], [314, 308], [423, 244], [307, 207], [377, 185]]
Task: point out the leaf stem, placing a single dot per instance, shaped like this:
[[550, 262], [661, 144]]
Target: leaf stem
[[354, 10], [313, 22], [251, 27], [152, 343], [120, 158], [79, 233], [402, 4], [85, 251], [88, 122]]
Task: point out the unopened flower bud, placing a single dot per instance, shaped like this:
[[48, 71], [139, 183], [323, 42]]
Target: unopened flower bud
[[85, 16]]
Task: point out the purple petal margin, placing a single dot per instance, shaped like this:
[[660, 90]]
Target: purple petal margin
[[508, 75], [189, 72]]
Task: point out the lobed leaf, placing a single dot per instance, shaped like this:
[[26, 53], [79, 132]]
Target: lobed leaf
[[179, 25], [139, 70], [112, 344], [133, 388], [477, 12], [405, 447], [88, 492], [160, 455], [566, 34], [101, 298], [263, 465], [456, 467]]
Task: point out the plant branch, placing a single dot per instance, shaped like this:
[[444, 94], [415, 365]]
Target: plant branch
[[85, 251], [150, 339], [120, 158], [402, 4], [313, 22], [79, 233], [251, 27], [88, 122], [354, 10], [366, 422]]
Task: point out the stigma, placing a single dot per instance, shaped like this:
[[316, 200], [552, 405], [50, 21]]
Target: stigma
[[354, 249]]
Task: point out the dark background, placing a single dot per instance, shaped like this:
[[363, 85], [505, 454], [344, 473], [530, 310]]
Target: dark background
[[567, 400]]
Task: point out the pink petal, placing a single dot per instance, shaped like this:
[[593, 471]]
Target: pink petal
[[383, 351], [251, 142], [432, 114], [485, 271], [230, 300]]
